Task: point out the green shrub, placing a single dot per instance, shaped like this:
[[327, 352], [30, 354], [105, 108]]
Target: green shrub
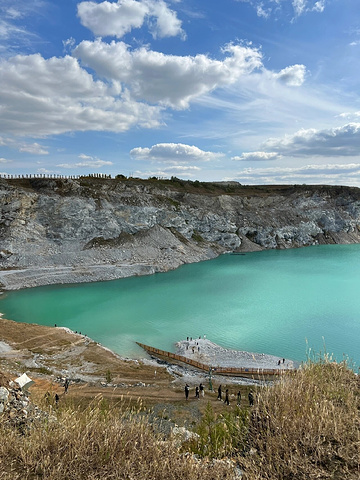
[[108, 377], [197, 237], [219, 435]]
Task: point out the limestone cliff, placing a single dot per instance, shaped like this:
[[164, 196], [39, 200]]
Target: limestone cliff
[[87, 229]]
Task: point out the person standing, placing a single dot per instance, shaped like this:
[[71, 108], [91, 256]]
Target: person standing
[[226, 401], [187, 389], [251, 398], [219, 397], [239, 397], [201, 388], [66, 385], [197, 393]]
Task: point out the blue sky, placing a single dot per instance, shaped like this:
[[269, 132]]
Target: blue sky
[[254, 91]]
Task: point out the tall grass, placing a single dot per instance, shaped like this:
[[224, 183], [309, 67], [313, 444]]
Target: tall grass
[[98, 442], [306, 426]]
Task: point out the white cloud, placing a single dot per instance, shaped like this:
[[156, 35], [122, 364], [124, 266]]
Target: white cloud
[[177, 170], [293, 76], [88, 162], [117, 19], [339, 141], [350, 115], [347, 174], [166, 23], [304, 6], [257, 156], [4, 160], [13, 13], [266, 8], [114, 19], [9, 30], [261, 12], [319, 6], [182, 168], [14, 33], [33, 148], [20, 8], [299, 6], [42, 97], [164, 152], [167, 79], [69, 44]]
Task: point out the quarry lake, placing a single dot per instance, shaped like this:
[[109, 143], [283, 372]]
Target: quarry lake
[[278, 302]]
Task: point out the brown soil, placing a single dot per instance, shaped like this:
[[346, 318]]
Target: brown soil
[[57, 350]]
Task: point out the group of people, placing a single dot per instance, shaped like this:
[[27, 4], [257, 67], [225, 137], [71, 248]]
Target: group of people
[[199, 390], [238, 397], [47, 395]]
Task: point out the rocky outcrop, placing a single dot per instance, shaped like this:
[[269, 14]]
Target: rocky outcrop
[[88, 229], [15, 407]]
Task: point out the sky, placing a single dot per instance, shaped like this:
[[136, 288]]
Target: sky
[[256, 91]]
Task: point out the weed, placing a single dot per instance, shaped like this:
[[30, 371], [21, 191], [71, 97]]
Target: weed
[[108, 376], [197, 237]]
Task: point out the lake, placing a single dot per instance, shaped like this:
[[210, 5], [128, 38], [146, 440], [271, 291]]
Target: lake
[[282, 302]]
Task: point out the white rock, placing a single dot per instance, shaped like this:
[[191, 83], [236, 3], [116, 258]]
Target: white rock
[[4, 395]]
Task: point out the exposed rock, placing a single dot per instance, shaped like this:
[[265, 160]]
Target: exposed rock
[[16, 408], [4, 395], [87, 229], [181, 435]]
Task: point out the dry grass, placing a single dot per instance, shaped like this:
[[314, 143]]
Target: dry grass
[[307, 426], [97, 443], [61, 349]]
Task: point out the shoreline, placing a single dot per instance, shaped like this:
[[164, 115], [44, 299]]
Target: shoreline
[[180, 374], [19, 278]]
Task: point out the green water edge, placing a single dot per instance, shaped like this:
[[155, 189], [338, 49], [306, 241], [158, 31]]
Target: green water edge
[[288, 303]]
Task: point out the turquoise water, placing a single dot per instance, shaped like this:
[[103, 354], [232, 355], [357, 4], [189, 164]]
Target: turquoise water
[[277, 302]]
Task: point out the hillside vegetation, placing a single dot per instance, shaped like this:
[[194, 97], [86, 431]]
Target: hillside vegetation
[[306, 426]]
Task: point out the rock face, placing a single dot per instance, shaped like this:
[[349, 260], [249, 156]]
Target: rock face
[[88, 229]]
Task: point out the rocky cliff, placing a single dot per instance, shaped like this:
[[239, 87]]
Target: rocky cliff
[[87, 229]]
